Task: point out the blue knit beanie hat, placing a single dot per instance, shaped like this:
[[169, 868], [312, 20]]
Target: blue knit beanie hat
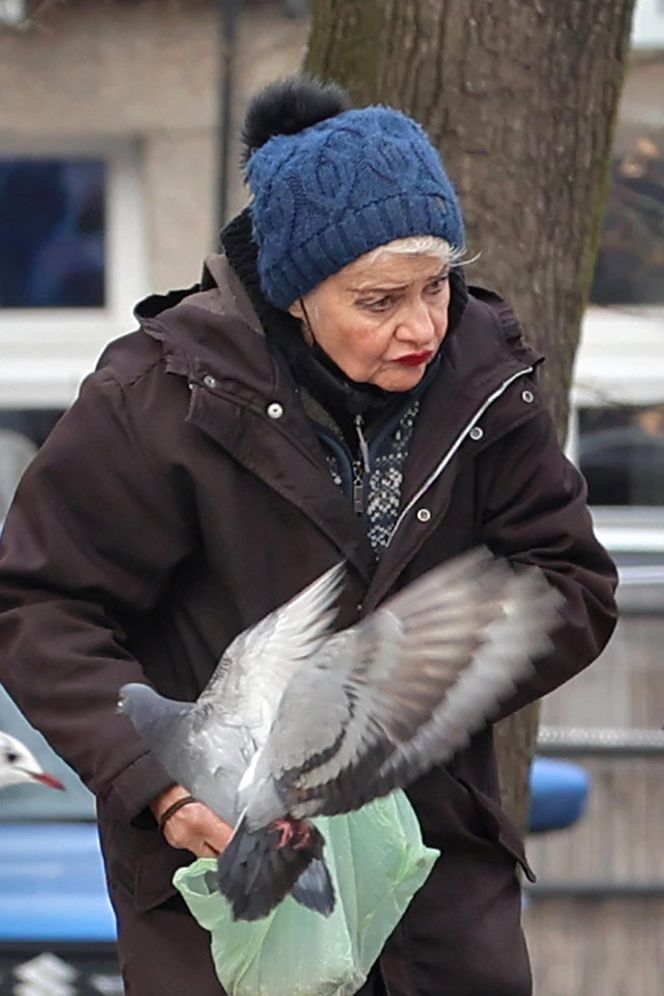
[[327, 191]]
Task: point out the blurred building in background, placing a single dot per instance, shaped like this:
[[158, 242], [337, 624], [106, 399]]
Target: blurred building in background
[[109, 147]]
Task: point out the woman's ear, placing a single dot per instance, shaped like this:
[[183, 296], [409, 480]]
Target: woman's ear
[[296, 309]]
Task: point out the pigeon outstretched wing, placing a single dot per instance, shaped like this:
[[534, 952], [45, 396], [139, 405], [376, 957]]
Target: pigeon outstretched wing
[[403, 690], [250, 679], [513, 641]]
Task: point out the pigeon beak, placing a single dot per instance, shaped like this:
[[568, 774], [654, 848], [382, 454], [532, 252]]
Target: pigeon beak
[[46, 779]]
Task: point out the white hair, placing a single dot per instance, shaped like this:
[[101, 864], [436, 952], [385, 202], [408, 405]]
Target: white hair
[[419, 245]]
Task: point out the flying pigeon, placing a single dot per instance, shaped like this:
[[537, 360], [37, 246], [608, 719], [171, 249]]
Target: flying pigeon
[[18, 765], [299, 721]]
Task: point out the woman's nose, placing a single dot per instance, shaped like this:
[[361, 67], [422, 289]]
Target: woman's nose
[[416, 325]]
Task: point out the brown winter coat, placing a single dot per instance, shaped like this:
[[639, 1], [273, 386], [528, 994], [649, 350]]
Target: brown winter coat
[[184, 496]]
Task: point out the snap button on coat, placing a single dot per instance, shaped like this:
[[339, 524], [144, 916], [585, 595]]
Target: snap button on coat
[[423, 514], [476, 433], [528, 397], [210, 381], [275, 410]]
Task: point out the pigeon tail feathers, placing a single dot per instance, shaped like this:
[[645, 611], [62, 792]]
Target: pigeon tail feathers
[[314, 888], [260, 868]]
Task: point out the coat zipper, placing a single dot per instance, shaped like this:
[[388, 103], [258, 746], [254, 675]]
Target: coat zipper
[[361, 468], [455, 446]]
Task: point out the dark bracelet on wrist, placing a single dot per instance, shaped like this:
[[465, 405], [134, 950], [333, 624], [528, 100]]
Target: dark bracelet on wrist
[[173, 808]]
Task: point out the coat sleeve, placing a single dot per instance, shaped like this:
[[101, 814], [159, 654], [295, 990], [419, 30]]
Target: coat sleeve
[[534, 512], [91, 540]]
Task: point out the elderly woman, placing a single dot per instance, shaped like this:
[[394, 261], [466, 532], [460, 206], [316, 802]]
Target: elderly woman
[[332, 389]]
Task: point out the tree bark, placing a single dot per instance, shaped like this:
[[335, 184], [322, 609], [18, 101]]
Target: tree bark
[[520, 96]]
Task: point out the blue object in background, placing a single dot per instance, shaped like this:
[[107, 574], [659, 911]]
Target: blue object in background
[[52, 885], [559, 792]]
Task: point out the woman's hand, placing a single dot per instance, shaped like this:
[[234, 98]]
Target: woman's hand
[[193, 827]]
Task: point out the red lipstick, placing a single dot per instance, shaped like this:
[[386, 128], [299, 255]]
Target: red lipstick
[[415, 359]]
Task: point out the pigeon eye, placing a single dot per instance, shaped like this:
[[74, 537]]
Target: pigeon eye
[[11, 756]]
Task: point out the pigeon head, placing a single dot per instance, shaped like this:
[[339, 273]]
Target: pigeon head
[[140, 703], [18, 765], [149, 711]]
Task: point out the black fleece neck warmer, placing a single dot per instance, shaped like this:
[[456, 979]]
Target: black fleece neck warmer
[[310, 366]]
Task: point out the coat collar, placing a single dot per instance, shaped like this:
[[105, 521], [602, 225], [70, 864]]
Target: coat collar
[[211, 331], [243, 398], [478, 363]]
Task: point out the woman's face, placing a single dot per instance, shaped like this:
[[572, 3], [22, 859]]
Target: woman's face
[[381, 319]]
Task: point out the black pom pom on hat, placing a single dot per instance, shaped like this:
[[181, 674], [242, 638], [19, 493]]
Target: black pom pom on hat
[[329, 184], [289, 106]]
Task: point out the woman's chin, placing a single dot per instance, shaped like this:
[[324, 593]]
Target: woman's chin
[[398, 378]]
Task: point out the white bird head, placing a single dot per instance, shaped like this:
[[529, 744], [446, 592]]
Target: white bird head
[[18, 765]]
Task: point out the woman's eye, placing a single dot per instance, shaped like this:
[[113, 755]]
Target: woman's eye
[[437, 285], [378, 304]]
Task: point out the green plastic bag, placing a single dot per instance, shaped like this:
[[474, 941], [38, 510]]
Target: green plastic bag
[[378, 862]]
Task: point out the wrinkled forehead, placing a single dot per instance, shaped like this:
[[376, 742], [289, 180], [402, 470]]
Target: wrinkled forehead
[[387, 266]]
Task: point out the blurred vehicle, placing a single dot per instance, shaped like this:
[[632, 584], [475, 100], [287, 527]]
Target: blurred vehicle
[[57, 928], [621, 455]]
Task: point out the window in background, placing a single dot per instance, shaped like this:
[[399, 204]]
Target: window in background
[[621, 454], [73, 257], [52, 233]]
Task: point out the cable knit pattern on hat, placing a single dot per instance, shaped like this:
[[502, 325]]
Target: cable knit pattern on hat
[[326, 195]]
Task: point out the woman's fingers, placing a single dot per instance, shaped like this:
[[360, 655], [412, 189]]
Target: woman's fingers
[[197, 829], [207, 851], [218, 834]]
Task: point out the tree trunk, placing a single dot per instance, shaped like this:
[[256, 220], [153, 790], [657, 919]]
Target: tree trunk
[[520, 96]]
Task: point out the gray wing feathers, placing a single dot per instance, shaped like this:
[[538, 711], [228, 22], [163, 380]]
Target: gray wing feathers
[[232, 717], [260, 662], [513, 641], [405, 688]]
